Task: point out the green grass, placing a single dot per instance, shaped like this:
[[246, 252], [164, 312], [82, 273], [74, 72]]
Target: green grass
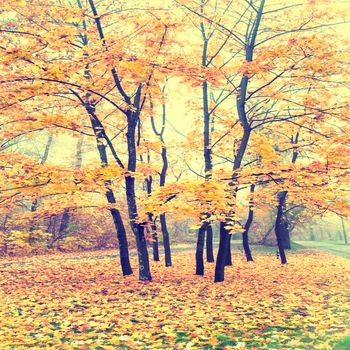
[[333, 247], [343, 344]]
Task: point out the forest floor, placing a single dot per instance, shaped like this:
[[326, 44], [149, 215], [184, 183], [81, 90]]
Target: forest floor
[[81, 301]]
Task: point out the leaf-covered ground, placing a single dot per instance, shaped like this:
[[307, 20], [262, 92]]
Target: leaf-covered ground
[[84, 303]]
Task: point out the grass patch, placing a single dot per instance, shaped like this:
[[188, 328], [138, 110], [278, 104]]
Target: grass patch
[[333, 247], [343, 344]]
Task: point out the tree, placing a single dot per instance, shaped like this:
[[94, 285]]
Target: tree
[[162, 178]]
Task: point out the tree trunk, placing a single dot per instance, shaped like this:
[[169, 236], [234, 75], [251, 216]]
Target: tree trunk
[[344, 230], [166, 240], [4, 247], [200, 250], [151, 227], [133, 118], [209, 244], [138, 228], [35, 203], [117, 219], [101, 138], [142, 253], [247, 225], [245, 239], [162, 178], [281, 226], [312, 234], [78, 163], [207, 155], [222, 251], [247, 251], [228, 260], [64, 222], [155, 246], [241, 110], [123, 242]]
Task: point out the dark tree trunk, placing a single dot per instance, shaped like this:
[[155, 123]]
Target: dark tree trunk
[[5, 247], [133, 118], [245, 239], [123, 242], [117, 219], [138, 228], [241, 110], [152, 225], [209, 244], [155, 246], [64, 222], [207, 155], [228, 260], [162, 178], [283, 228], [101, 138], [281, 225], [166, 240], [247, 251], [142, 253], [200, 250], [222, 251]]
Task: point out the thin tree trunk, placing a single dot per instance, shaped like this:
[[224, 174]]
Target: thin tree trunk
[[151, 227], [344, 231], [222, 251], [281, 225], [155, 247], [138, 228], [208, 165], [284, 236], [117, 219], [237, 164], [101, 138], [166, 240], [122, 241], [312, 234], [133, 118], [241, 110], [153, 231], [248, 223], [5, 247], [162, 178], [78, 163], [200, 250], [35, 203], [247, 251], [64, 222], [209, 243]]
